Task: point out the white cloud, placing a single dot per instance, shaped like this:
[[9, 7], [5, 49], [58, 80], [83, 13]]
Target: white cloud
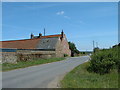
[[60, 13], [67, 17]]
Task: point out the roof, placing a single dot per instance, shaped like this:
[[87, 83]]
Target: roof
[[31, 43], [47, 43], [58, 35], [20, 44]]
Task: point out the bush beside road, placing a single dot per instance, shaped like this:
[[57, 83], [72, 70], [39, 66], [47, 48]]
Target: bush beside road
[[81, 78], [102, 71]]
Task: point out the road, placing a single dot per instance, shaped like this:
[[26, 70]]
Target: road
[[40, 76]]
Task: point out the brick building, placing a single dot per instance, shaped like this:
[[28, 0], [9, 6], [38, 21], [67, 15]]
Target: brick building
[[39, 46]]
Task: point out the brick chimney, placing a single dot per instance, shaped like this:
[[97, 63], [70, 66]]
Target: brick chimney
[[40, 34], [62, 34], [32, 36]]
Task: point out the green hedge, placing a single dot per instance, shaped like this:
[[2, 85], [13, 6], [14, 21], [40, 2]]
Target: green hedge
[[103, 61]]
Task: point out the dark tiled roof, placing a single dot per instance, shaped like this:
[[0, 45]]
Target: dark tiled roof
[[47, 43], [28, 43]]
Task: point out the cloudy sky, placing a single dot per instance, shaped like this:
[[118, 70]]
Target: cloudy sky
[[82, 22]]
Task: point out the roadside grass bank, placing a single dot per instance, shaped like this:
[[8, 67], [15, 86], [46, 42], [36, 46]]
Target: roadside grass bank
[[79, 77], [102, 71], [22, 64]]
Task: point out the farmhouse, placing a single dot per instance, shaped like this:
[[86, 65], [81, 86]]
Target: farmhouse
[[35, 47]]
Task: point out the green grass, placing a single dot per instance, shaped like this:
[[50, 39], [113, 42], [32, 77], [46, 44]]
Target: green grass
[[81, 78], [8, 66]]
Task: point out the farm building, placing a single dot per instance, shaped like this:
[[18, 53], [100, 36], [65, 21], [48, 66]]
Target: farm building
[[35, 47]]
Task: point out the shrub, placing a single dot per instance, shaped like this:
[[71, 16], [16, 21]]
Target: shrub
[[104, 61], [65, 55]]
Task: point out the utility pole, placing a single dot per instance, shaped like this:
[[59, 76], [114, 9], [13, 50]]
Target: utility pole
[[44, 31], [97, 44], [93, 45]]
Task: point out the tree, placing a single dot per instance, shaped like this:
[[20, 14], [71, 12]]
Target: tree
[[96, 50], [73, 48]]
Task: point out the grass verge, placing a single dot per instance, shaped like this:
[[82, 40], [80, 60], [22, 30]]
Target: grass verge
[[81, 78], [8, 66]]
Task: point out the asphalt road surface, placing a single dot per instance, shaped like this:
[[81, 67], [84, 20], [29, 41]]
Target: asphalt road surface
[[40, 76]]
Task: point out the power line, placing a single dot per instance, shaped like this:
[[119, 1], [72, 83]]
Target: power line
[[96, 44]]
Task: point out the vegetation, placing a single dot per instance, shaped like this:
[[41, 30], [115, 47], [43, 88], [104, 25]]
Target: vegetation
[[83, 53], [22, 64], [73, 48], [81, 78], [100, 72], [65, 55], [103, 61]]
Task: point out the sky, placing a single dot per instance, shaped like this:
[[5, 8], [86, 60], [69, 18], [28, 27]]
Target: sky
[[82, 22], [60, 0]]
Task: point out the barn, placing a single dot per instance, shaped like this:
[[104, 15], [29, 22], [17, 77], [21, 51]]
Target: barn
[[36, 47]]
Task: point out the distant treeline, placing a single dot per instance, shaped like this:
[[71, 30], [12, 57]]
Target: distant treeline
[[73, 49]]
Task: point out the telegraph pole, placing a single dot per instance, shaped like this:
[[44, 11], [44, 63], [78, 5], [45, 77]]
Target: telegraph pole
[[97, 44], [93, 45], [44, 31]]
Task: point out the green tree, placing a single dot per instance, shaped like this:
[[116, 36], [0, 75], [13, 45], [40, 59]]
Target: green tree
[[96, 50], [73, 48], [104, 60]]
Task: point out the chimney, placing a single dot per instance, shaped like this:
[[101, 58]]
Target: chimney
[[62, 34], [40, 34], [32, 36]]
